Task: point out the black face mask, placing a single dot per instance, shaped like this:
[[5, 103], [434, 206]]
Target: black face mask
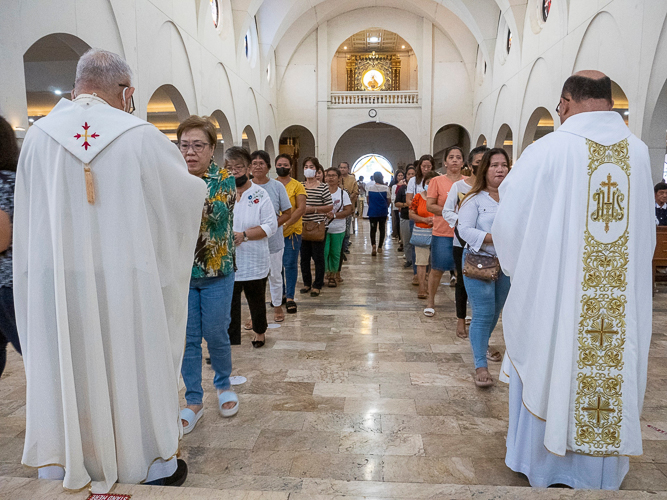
[[283, 171], [240, 181]]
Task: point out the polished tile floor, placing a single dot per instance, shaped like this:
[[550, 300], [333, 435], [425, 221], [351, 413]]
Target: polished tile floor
[[360, 395]]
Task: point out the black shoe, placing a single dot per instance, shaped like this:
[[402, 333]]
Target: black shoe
[[176, 479], [407, 264], [257, 344], [284, 300], [208, 361], [347, 251]]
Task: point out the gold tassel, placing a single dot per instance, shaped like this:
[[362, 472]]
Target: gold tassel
[[90, 187]]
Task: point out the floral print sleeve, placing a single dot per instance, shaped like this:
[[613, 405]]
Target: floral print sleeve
[[215, 251]]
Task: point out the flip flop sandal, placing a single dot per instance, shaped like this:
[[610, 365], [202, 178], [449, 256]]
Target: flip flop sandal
[[429, 311], [305, 289], [290, 305], [315, 292], [422, 296], [462, 335], [479, 383], [228, 397], [332, 283], [191, 418], [278, 319], [494, 356], [248, 325]]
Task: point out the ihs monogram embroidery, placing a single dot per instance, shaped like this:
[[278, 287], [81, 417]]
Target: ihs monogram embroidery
[[609, 208], [85, 136], [598, 404]]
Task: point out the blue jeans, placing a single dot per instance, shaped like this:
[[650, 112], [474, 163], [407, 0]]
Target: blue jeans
[[414, 257], [291, 264], [487, 299], [209, 306]]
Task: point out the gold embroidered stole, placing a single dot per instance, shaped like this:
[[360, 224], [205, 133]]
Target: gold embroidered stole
[[598, 404]]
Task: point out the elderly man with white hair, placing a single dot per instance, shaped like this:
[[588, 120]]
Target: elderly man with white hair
[[105, 226]]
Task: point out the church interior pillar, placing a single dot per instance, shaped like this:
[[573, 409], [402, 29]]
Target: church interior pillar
[[323, 98], [426, 87]]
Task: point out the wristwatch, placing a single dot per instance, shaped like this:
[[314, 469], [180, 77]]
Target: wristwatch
[[245, 236]]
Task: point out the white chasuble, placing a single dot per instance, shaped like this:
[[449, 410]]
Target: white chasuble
[[101, 288], [575, 232]]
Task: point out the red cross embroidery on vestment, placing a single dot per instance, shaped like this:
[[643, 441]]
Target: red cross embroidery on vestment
[[85, 136]]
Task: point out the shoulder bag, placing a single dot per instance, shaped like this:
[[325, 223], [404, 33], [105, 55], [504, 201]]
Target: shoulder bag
[[481, 267], [421, 236]]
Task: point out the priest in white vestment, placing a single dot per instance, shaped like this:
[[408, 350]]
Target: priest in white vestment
[[105, 225], [575, 232]]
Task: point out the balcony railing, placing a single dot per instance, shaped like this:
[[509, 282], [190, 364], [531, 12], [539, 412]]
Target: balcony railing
[[394, 98]]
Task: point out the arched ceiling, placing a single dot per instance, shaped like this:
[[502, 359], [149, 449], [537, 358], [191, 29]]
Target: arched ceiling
[[284, 24]]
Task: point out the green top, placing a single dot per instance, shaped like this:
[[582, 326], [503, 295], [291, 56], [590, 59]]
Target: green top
[[215, 251]]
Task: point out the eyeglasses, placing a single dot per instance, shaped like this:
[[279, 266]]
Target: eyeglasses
[[197, 147], [132, 108], [558, 107]]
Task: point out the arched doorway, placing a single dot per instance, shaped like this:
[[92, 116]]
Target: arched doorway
[[269, 147], [224, 133], [504, 139], [621, 103], [481, 141], [249, 139], [368, 164], [447, 136], [299, 143], [539, 124], [166, 109], [380, 139], [49, 66]]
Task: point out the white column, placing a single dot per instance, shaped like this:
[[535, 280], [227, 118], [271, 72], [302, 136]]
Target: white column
[[426, 88], [323, 85]]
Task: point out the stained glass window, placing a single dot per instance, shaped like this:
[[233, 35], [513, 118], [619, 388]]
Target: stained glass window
[[546, 8], [246, 42], [215, 12], [509, 40]]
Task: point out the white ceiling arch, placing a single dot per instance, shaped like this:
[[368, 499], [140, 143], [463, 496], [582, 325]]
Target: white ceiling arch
[[285, 24]]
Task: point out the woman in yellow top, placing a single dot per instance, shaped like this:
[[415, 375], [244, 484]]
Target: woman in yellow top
[[291, 229]]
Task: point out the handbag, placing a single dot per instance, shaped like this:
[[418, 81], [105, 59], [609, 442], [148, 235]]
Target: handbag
[[481, 267], [313, 230], [421, 236]]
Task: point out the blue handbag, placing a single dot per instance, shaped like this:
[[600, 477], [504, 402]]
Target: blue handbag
[[421, 236]]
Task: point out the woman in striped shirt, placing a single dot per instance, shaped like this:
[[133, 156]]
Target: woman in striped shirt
[[318, 204]]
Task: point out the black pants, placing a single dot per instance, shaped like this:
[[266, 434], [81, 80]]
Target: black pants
[[312, 250], [375, 222], [255, 295], [460, 291], [8, 331], [395, 225]]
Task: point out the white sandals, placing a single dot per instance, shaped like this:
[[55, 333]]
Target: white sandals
[[191, 418]]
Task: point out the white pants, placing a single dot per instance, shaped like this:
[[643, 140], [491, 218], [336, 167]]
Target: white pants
[[276, 277]]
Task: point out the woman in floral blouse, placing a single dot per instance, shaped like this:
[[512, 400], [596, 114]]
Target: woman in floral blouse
[[212, 280]]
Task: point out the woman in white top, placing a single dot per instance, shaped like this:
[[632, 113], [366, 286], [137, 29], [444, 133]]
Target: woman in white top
[[415, 186], [451, 215], [476, 215], [254, 223], [399, 179], [342, 208]]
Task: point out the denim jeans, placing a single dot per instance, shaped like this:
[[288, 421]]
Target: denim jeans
[[8, 331], [291, 264], [487, 299], [406, 233], [209, 314]]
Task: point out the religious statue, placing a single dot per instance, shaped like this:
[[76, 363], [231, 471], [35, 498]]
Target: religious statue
[[373, 83]]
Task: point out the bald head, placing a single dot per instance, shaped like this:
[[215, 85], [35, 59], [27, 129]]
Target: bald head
[[587, 90]]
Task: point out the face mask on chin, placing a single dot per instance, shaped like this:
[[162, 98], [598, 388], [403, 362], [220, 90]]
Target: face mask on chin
[[283, 171], [240, 181], [309, 173]]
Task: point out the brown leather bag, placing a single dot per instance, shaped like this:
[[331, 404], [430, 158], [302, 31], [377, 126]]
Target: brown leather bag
[[313, 231], [481, 267]]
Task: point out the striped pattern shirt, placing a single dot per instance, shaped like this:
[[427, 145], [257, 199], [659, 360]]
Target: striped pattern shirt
[[317, 197]]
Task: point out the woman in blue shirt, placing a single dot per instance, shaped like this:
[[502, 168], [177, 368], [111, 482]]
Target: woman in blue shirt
[[379, 199]]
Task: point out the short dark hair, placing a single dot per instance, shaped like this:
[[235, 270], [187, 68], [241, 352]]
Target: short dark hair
[[430, 175], [344, 162], [452, 148], [361, 177], [377, 177], [582, 88], [287, 157], [202, 123], [477, 151], [314, 161], [238, 153], [334, 170], [419, 176], [9, 148], [262, 155], [659, 186]]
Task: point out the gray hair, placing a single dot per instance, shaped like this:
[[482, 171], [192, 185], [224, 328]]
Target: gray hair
[[102, 70], [236, 153]]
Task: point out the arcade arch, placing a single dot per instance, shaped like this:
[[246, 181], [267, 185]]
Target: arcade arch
[[166, 109], [504, 139], [447, 136], [249, 139], [298, 142], [539, 124]]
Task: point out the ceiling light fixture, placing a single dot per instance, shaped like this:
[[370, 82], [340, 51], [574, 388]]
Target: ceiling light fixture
[[58, 92], [402, 46], [626, 113], [345, 48], [373, 39]]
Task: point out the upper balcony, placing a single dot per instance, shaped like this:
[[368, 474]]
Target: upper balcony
[[400, 99]]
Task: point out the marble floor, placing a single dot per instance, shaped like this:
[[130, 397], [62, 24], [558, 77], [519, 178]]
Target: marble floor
[[359, 395]]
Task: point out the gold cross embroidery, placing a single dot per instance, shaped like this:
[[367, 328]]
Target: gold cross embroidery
[[609, 184], [601, 332], [599, 409], [609, 207]]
